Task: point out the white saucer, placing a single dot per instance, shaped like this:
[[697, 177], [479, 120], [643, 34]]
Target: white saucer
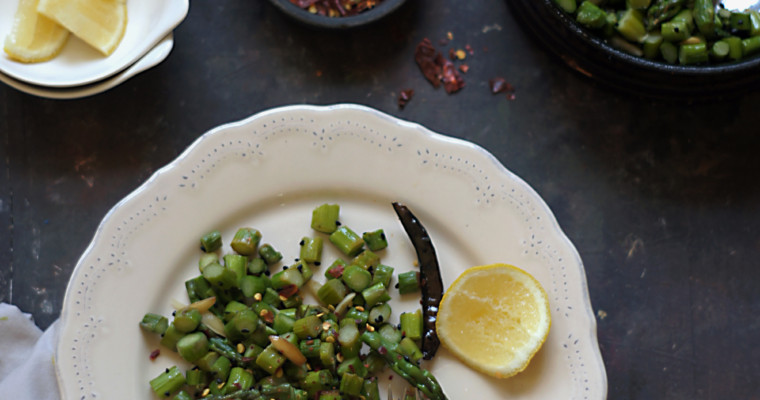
[[149, 21], [154, 56]]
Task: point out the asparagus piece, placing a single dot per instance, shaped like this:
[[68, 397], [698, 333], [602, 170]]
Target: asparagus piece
[[211, 241], [347, 241], [413, 374], [269, 254], [408, 282], [155, 323], [663, 10], [704, 16], [168, 382], [356, 278], [324, 218], [375, 240], [693, 53], [411, 324], [591, 16], [248, 394], [193, 346], [311, 249], [246, 241]]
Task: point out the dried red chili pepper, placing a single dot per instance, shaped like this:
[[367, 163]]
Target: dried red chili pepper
[[431, 285]]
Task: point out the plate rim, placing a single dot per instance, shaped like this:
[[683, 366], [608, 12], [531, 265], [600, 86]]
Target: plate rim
[[591, 330]]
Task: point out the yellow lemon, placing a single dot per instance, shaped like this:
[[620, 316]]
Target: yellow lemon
[[494, 318], [34, 37], [100, 23]]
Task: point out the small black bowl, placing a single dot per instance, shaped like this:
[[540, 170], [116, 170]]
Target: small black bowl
[[382, 9], [592, 56]]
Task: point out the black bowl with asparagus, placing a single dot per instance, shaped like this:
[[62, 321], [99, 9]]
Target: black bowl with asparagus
[[697, 48]]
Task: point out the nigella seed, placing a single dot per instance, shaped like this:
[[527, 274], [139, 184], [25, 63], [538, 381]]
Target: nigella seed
[[337, 223], [379, 319], [300, 267], [245, 330], [284, 268], [317, 263], [301, 243]]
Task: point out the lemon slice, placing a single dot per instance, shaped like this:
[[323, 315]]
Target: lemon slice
[[494, 318], [100, 23], [34, 37]]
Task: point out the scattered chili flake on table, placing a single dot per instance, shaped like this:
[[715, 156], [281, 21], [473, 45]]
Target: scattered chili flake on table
[[404, 97], [452, 81], [464, 68], [425, 56], [436, 68], [336, 8], [154, 354], [500, 85]]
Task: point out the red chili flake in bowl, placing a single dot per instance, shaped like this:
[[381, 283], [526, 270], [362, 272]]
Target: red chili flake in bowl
[[336, 8]]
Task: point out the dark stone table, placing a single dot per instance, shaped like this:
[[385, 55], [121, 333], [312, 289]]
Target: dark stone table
[[661, 198]]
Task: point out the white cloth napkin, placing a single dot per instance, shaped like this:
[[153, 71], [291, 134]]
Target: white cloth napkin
[[26, 357]]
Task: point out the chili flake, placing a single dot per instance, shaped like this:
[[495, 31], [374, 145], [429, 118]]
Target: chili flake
[[154, 354], [436, 68], [500, 85], [404, 97], [425, 56], [336, 8]]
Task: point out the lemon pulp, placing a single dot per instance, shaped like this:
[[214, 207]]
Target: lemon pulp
[[494, 318], [34, 37]]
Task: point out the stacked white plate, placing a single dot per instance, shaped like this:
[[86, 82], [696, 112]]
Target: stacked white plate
[[80, 71]]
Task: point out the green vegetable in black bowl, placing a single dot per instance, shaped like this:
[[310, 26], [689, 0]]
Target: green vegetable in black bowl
[[674, 31], [626, 49]]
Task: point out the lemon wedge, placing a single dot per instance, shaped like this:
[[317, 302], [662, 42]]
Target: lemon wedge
[[100, 23], [494, 318], [34, 37]]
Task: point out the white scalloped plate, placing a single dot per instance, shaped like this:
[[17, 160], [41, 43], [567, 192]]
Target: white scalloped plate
[[150, 60], [269, 171], [148, 22]]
